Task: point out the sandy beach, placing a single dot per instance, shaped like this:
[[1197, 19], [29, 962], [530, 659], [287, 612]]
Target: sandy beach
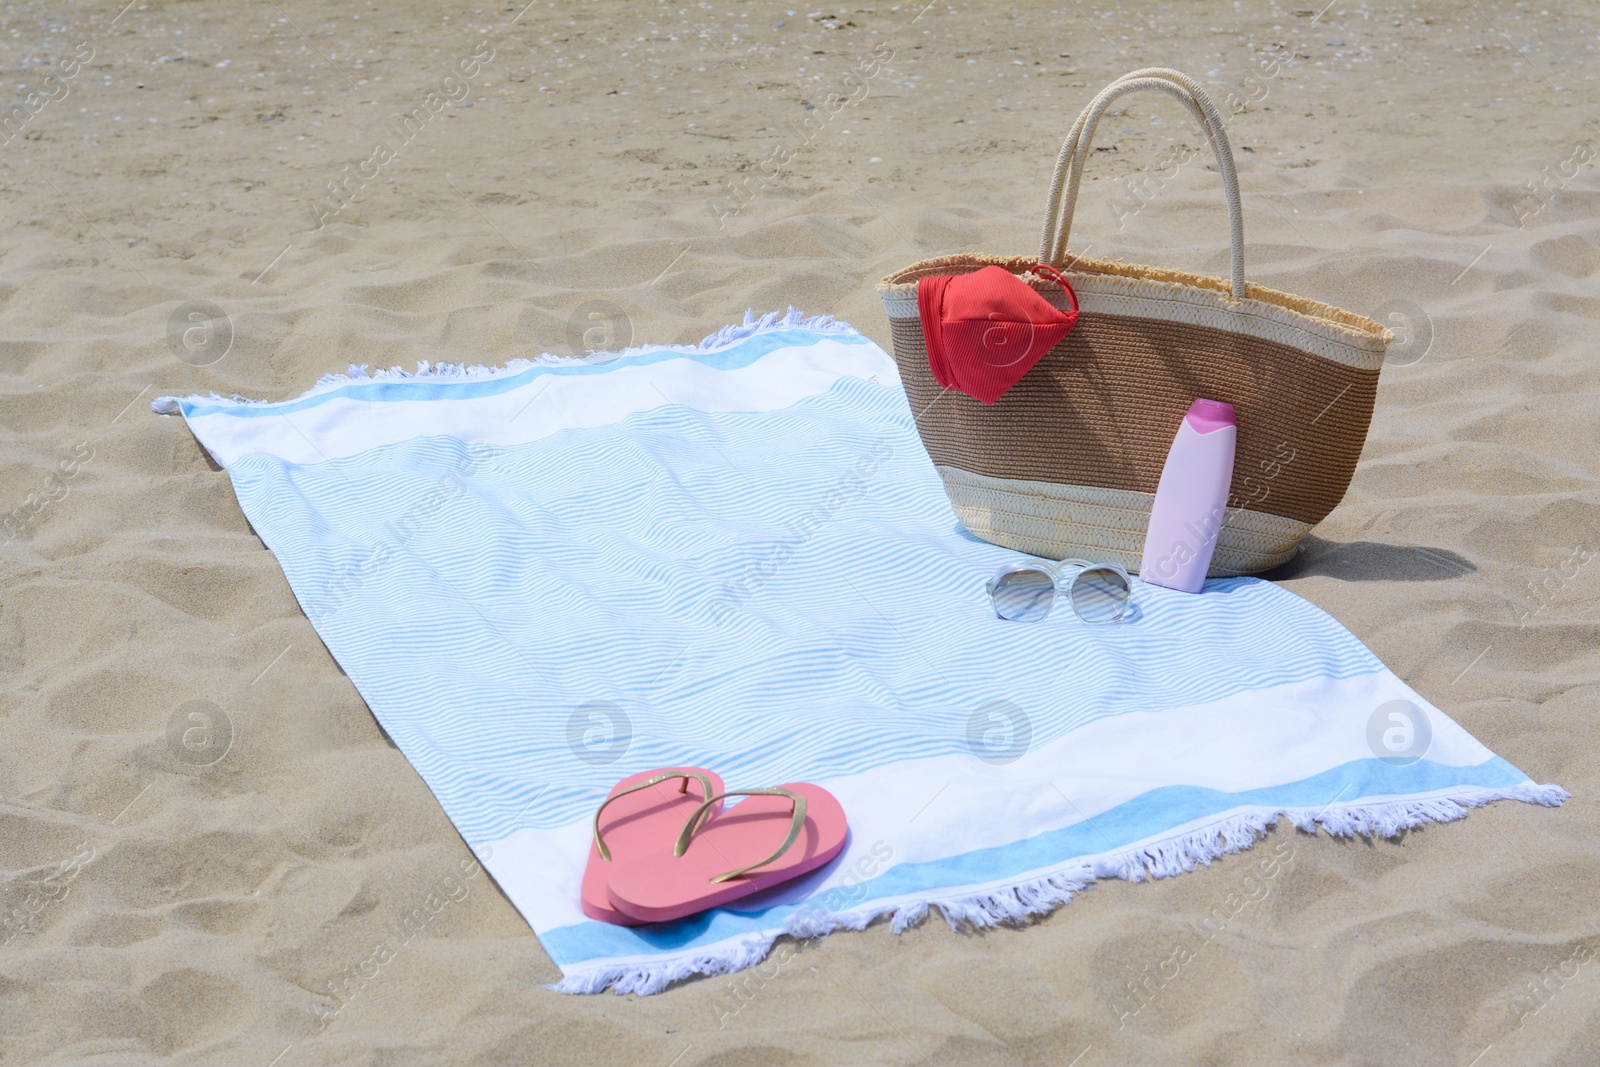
[[202, 828]]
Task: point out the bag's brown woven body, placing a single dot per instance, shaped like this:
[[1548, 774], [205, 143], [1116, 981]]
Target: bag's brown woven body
[[1066, 463]]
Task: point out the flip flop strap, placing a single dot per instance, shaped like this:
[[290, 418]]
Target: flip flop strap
[[795, 825], [705, 791]]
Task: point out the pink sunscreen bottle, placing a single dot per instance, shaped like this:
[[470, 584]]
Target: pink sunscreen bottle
[[1192, 499]]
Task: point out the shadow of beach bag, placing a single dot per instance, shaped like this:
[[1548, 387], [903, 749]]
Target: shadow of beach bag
[[1067, 461]]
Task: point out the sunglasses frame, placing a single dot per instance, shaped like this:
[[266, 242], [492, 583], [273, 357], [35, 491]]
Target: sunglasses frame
[[1052, 572]]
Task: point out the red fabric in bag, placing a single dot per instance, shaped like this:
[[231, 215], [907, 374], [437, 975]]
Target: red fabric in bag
[[986, 329]]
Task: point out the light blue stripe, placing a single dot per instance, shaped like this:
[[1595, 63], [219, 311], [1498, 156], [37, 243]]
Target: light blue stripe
[[741, 354], [1139, 819]]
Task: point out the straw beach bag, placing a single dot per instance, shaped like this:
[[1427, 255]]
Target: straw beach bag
[[1066, 463]]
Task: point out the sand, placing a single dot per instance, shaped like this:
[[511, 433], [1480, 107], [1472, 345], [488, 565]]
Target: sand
[[201, 825]]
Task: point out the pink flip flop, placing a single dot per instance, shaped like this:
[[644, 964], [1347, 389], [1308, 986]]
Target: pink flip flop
[[775, 835], [641, 817]]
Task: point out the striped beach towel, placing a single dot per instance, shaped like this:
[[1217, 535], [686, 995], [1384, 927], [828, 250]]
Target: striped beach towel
[[737, 555]]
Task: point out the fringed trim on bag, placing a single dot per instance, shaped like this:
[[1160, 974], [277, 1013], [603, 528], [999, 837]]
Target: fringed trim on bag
[[1018, 902], [426, 371], [1334, 322]]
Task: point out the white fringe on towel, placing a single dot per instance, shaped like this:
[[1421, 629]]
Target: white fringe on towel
[[1017, 903], [727, 335]]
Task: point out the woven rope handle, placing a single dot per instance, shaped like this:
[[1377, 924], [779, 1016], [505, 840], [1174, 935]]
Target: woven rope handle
[[1075, 152]]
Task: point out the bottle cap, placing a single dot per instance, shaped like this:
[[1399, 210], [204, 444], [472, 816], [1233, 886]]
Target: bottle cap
[[1207, 416]]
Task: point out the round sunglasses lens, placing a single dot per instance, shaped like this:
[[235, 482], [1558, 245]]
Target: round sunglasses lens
[[1023, 595], [1100, 594]]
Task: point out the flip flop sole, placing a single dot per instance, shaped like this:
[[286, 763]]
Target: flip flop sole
[[659, 886], [641, 823]]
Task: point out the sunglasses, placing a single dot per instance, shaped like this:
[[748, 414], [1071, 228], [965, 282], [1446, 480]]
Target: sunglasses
[[1099, 592]]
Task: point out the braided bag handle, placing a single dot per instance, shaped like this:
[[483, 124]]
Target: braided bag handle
[[1075, 151]]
